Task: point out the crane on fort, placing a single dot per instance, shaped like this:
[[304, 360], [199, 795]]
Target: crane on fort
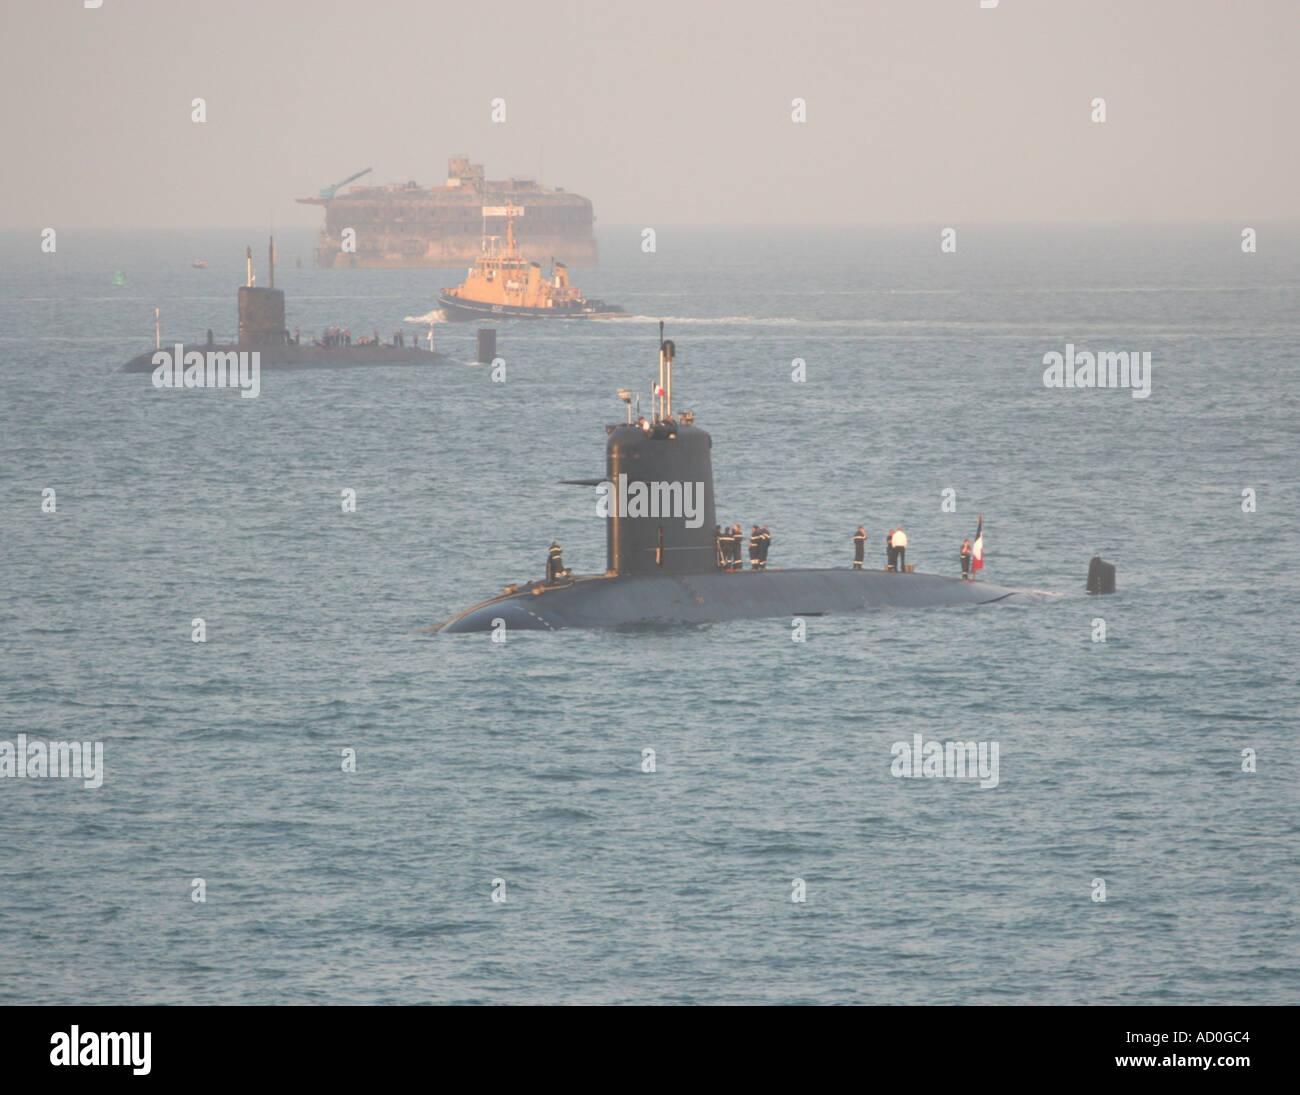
[[330, 191]]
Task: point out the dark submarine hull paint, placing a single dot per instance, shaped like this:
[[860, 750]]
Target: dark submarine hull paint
[[715, 597], [303, 357]]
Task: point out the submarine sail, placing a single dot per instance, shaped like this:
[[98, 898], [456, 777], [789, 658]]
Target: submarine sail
[[659, 493]]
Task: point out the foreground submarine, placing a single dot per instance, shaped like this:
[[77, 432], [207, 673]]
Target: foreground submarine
[[659, 570]]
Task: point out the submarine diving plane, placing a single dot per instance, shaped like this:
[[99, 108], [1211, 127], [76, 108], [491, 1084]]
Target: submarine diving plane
[[661, 558]]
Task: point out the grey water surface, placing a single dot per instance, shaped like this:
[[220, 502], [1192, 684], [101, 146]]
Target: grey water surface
[[522, 761]]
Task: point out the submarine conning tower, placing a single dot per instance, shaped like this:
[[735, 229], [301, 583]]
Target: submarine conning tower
[[261, 311], [659, 472]]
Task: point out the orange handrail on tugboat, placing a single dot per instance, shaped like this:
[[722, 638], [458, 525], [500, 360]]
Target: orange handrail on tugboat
[[504, 284]]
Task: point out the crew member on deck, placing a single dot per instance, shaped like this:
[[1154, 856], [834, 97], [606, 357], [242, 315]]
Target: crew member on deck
[[890, 556], [554, 563], [765, 542], [900, 548], [755, 548], [859, 547], [965, 560]]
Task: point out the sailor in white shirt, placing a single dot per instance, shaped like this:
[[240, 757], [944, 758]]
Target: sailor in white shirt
[[899, 543]]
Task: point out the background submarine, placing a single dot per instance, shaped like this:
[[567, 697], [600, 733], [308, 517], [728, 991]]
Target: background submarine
[[262, 328], [660, 571]]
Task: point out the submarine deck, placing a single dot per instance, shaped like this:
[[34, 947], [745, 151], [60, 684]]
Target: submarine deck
[[602, 600]]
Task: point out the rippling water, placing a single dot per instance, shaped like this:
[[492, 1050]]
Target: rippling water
[[522, 761]]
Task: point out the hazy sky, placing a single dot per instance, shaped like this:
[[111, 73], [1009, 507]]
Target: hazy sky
[[663, 112]]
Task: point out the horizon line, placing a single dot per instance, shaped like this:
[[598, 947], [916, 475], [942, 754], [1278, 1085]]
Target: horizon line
[[638, 226]]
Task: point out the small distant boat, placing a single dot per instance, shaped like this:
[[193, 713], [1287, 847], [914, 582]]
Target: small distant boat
[[505, 284], [199, 264], [119, 278]]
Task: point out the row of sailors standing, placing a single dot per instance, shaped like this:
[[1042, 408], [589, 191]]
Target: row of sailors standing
[[341, 337], [895, 548], [727, 543]]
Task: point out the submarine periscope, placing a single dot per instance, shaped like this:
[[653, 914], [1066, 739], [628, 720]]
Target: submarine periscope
[[662, 564]]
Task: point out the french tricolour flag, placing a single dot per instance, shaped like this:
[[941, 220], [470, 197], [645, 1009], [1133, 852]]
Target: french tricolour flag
[[977, 549]]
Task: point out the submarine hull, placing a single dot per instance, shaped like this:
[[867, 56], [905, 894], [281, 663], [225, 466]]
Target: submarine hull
[[715, 597]]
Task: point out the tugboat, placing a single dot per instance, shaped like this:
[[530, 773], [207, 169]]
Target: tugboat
[[663, 561], [504, 284]]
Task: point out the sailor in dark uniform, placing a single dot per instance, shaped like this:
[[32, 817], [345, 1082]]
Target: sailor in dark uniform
[[965, 560], [889, 551], [554, 563], [764, 542], [737, 538], [755, 548], [859, 547]]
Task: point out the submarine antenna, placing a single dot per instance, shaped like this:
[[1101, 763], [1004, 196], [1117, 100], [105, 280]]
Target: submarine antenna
[[248, 278], [659, 387], [270, 255], [669, 351]]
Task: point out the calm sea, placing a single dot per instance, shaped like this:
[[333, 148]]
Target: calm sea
[[1122, 763]]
